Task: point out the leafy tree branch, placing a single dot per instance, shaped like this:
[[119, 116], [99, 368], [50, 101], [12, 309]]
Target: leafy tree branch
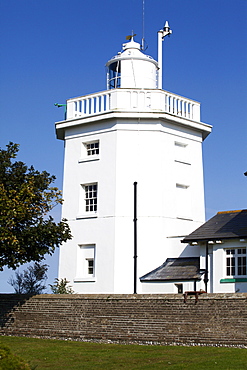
[[27, 233]]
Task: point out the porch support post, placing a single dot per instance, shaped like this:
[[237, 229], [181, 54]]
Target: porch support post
[[206, 269]]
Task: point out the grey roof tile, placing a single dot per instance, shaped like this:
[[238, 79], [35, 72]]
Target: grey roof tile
[[224, 225], [176, 269]]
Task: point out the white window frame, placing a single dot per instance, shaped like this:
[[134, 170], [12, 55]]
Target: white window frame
[[235, 254], [89, 151], [85, 255], [92, 148], [84, 202], [91, 198]]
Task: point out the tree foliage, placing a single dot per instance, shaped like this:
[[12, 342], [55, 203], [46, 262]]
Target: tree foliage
[[9, 361], [30, 281], [27, 233], [61, 287]]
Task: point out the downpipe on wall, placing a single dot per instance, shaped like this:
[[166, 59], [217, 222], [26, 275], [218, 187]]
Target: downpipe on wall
[[135, 236]]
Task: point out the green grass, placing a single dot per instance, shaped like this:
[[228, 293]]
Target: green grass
[[60, 355]]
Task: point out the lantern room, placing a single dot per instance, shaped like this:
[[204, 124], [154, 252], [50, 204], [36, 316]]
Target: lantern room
[[132, 69]]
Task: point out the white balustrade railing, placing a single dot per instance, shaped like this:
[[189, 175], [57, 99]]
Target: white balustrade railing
[[133, 100]]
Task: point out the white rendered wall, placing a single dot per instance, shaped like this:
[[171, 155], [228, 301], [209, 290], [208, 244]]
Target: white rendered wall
[[145, 151], [92, 230]]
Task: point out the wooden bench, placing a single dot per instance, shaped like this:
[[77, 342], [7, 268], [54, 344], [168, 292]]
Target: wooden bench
[[193, 293]]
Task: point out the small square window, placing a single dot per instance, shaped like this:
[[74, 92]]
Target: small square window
[[92, 148], [90, 151]]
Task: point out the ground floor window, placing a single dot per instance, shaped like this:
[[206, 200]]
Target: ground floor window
[[236, 262], [90, 266], [86, 261]]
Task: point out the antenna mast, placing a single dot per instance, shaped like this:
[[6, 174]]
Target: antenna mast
[[161, 35]]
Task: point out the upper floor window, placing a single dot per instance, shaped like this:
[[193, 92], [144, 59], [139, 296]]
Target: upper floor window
[[236, 262], [92, 148], [91, 197], [90, 151], [88, 201]]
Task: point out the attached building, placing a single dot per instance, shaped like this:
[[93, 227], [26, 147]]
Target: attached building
[[223, 251]]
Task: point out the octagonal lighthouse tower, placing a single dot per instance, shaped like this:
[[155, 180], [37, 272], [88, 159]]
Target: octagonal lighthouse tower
[[133, 147]]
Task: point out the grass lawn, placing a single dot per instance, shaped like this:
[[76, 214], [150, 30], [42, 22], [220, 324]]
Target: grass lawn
[[66, 355]]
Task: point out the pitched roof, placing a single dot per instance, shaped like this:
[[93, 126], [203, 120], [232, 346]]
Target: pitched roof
[[224, 225], [176, 269]]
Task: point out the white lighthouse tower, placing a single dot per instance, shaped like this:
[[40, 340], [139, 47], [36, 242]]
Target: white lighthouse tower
[[132, 139]]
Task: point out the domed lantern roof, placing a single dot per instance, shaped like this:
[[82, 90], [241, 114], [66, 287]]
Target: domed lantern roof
[[131, 68]]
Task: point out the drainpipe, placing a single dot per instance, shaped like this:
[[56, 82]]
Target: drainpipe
[[135, 236], [206, 268]]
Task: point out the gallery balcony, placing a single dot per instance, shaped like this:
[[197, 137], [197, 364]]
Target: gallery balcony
[[132, 104], [133, 100]]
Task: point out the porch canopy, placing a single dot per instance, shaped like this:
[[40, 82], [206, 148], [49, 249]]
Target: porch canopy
[[177, 270]]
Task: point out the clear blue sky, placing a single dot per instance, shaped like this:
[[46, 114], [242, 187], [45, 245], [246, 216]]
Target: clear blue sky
[[52, 50]]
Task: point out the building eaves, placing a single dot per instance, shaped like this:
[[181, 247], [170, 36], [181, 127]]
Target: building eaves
[[224, 225]]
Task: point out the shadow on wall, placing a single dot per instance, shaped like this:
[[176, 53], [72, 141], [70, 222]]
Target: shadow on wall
[[8, 305]]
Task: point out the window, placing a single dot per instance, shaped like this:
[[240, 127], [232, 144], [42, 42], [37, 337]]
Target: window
[[91, 197], [114, 75], [88, 203], [92, 148], [230, 262], [90, 266], [236, 262], [90, 151], [85, 263], [241, 261]]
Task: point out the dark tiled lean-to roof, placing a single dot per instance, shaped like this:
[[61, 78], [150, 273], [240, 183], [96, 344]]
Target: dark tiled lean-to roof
[[224, 225], [175, 269]]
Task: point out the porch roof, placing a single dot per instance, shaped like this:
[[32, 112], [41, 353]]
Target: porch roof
[[224, 225], [176, 269]]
